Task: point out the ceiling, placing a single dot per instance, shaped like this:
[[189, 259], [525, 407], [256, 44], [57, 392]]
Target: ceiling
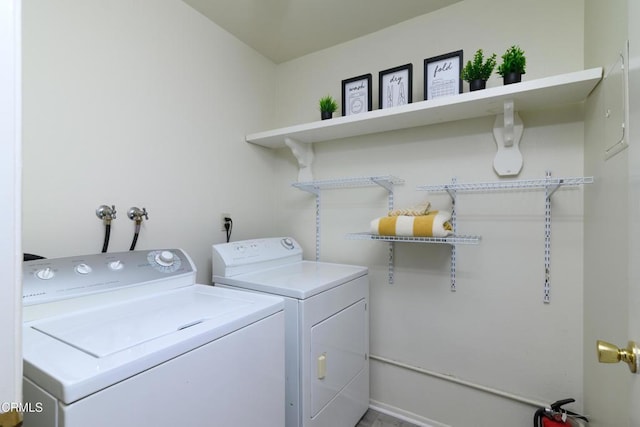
[[286, 29]]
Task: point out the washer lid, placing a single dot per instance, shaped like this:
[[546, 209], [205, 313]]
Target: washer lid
[[299, 280], [77, 354], [97, 332]]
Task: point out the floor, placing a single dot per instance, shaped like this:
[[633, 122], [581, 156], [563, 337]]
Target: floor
[[373, 418]]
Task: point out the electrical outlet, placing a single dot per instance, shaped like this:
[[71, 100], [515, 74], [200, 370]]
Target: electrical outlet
[[222, 221]]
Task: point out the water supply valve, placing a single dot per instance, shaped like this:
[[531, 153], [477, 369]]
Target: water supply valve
[[106, 213], [135, 214]]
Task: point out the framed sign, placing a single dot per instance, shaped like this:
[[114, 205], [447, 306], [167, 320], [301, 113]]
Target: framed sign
[[356, 95], [395, 86], [442, 75]]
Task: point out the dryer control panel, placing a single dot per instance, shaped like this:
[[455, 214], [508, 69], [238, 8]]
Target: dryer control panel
[[47, 280], [245, 256]]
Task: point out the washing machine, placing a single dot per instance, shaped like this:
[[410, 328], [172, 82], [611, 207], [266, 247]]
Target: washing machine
[[326, 325], [129, 339]]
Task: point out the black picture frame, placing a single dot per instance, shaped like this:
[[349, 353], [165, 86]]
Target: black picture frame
[[356, 95], [395, 86], [442, 75]]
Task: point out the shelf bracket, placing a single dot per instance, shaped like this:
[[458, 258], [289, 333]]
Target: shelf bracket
[[304, 154], [451, 191], [507, 132], [549, 190], [388, 185], [318, 205], [452, 268], [552, 188]]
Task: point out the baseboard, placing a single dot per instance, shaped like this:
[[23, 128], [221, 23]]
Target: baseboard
[[403, 415]]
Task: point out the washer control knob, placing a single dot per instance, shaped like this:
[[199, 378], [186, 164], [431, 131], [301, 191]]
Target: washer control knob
[[83, 269], [165, 258], [116, 265], [45, 274], [287, 243]]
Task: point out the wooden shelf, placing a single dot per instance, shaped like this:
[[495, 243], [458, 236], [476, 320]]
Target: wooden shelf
[[531, 95]]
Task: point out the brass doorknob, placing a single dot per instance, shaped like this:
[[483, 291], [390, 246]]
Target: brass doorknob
[[609, 353]]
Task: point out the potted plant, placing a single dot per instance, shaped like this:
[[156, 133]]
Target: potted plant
[[478, 72], [327, 106], [513, 65]]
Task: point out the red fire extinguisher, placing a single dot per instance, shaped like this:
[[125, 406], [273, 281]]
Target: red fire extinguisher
[[556, 416]]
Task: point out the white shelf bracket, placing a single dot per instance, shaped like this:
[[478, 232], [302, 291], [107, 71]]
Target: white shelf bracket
[[387, 184], [507, 132], [451, 192], [452, 268], [304, 154], [552, 188], [318, 206], [549, 190]]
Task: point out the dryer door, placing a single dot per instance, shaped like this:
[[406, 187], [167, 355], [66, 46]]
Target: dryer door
[[338, 352]]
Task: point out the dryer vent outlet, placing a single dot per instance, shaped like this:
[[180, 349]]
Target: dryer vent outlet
[[223, 220]]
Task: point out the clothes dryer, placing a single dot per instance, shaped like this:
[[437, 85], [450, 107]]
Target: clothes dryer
[[326, 325], [128, 339]]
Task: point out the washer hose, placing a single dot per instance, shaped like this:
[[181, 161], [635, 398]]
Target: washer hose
[[135, 236], [107, 234]]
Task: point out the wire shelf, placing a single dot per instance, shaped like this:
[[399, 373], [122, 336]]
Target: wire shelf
[[540, 183], [451, 240], [548, 184], [386, 181], [315, 187]]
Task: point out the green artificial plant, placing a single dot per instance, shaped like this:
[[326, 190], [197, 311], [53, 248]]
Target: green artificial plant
[[513, 61], [328, 104], [479, 69]]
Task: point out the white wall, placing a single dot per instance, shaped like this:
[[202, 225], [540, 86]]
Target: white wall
[[495, 330], [10, 182], [144, 104]]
